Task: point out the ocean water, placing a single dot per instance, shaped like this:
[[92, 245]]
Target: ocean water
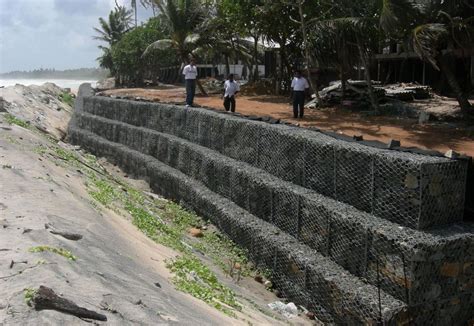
[[73, 84]]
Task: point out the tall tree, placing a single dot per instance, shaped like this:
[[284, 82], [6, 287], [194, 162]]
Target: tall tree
[[182, 18], [436, 30], [110, 31], [134, 6]]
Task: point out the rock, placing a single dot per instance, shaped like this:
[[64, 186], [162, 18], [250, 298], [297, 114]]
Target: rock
[[411, 181], [268, 284], [452, 154], [105, 84], [423, 118], [258, 278], [392, 143], [288, 310], [2, 105], [195, 232], [310, 315]]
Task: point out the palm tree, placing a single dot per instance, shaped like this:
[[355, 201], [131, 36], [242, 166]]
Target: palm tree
[[435, 30], [350, 37], [182, 18], [134, 6], [118, 24], [110, 32]]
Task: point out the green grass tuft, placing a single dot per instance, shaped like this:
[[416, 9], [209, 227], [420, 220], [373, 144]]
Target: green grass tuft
[[59, 251], [67, 98], [29, 295], [193, 277], [167, 223], [11, 119]]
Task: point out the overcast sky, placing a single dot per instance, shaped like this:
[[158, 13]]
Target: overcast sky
[[52, 33]]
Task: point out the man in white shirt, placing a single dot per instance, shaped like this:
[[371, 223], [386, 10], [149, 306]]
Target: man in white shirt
[[190, 74], [230, 89], [299, 88]]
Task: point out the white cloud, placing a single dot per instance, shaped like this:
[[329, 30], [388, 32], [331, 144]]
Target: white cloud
[[51, 33]]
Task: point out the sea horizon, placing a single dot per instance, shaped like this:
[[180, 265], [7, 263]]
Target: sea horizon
[[73, 84]]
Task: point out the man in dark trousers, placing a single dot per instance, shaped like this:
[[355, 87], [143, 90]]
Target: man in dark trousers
[[190, 75], [299, 89], [230, 89]]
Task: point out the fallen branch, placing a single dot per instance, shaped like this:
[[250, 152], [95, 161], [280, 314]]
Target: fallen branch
[[20, 272], [46, 299]]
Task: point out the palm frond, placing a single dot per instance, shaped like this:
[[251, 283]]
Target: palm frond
[[159, 45], [397, 14], [427, 39]]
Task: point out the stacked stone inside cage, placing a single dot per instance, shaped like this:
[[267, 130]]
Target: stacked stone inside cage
[[365, 209]]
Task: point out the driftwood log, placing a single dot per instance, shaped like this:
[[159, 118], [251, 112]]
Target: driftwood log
[[46, 299]]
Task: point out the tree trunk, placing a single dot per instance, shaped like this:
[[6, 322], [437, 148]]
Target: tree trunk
[[201, 89], [180, 73], [344, 65], [255, 54], [227, 66], [462, 98], [364, 57], [343, 82], [312, 82]]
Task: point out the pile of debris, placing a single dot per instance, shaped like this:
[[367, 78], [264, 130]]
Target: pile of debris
[[407, 92], [213, 85], [356, 93], [264, 86]]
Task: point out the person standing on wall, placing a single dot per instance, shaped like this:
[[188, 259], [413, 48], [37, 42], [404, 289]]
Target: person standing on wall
[[190, 74], [230, 89], [299, 89]]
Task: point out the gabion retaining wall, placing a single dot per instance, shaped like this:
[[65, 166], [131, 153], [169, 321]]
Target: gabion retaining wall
[[401, 262], [347, 265], [304, 275], [409, 189]]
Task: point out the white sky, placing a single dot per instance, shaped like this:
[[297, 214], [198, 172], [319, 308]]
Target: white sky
[[52, 33]]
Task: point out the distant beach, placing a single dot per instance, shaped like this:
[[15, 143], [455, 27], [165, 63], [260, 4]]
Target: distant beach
[[73, 84]]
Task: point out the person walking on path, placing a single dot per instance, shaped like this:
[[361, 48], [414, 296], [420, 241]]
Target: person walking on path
[[230, 89], [190, 74], [299, 89]]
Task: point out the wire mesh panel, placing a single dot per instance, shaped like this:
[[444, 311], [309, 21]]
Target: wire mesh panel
[[387, 267], [189, 129], [397, 189], [348, 243], [319, 165], [166, 117], [173, 153], [286, 210], [262, 252], [240, 140], [442, 193], [185, 159], [206, 173], [210, 131], [239, 183], [370, 261], [354, 176], [162, 144], [390, 184], [179, 120], [260, 197], [222, 178], [315, 224]]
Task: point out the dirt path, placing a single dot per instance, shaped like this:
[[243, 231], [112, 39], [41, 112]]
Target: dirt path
[[437, 136]]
